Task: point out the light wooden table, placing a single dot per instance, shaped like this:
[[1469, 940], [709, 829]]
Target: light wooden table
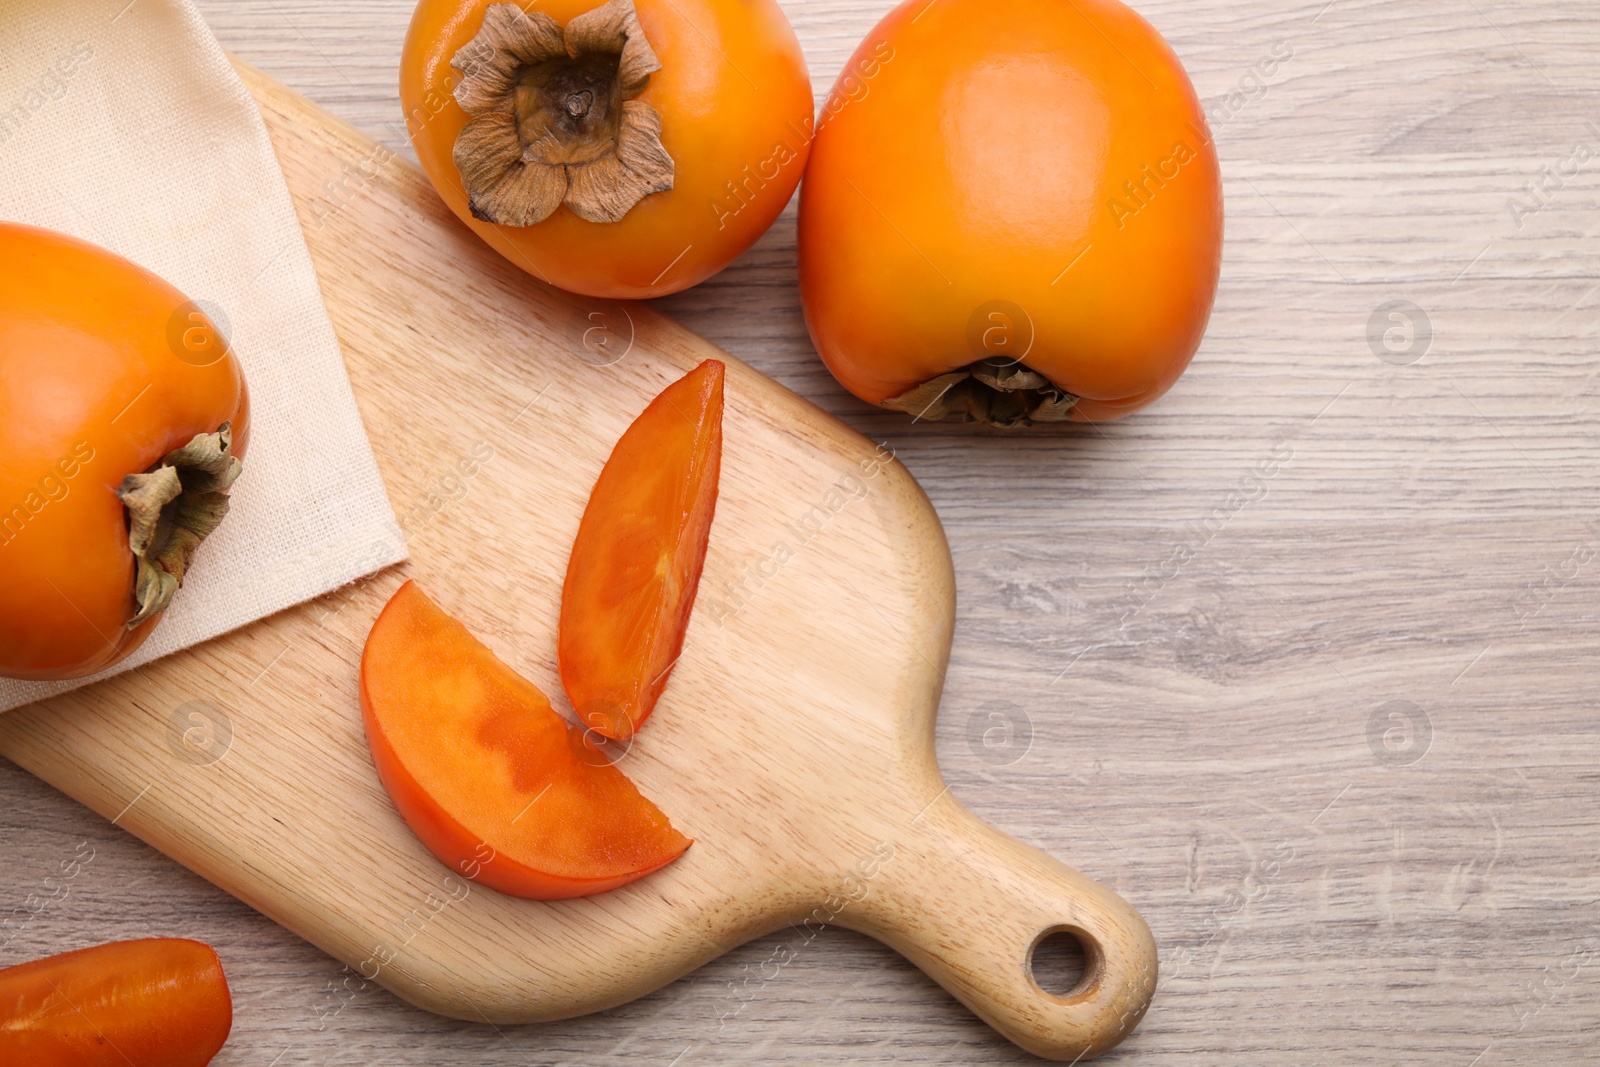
[[1344, 758]]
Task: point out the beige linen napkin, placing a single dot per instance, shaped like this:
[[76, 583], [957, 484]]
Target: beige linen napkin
[[123, 124]]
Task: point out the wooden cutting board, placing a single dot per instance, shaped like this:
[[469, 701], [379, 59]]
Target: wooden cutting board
[[794, 743]]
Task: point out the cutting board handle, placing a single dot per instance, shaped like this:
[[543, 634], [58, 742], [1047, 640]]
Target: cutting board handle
[[969, 905]]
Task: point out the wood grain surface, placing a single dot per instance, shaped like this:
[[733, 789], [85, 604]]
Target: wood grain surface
[[1341, 756]]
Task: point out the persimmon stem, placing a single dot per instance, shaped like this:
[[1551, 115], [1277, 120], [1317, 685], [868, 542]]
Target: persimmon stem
[[553, 116], [172, 508], [997, 392]]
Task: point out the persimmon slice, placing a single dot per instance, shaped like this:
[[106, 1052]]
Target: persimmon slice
[[636, 562], [156, 1001], [498, 786]]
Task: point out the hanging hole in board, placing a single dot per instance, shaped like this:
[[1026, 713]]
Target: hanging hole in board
[[1062, 964]]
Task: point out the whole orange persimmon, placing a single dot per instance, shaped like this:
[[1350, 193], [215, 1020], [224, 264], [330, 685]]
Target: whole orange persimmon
[[123, 422], [1012, 213], [611, 149]]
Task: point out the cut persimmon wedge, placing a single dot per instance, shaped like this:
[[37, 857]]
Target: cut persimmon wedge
[[636, 562], [497, 785]]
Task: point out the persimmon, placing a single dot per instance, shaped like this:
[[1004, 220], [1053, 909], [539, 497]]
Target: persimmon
[[636, 562], [124, 419], [159, 1002], [494, 782], [1012, 213], [617, 150]]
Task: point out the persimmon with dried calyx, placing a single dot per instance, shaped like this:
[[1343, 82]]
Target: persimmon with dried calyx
[[1020, 222], [159, 1001], [636, 562], [124, 421], [625, 149], [499, 787]]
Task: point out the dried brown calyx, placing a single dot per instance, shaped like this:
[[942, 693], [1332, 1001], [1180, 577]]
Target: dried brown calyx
[[1000, 392], [553, 116], [171, 509]]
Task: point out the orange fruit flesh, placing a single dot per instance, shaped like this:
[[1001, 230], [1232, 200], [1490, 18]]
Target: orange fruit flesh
[[636, 562], [496, 784], [153, 1001]]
